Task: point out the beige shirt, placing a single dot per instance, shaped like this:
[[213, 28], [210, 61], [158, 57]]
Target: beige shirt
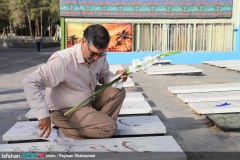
[[68, 79]]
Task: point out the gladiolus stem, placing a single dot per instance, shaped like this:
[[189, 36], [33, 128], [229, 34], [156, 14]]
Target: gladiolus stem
[[116, 80], [95, 93]]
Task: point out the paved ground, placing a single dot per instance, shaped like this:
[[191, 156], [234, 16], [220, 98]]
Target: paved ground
[[193, 132]]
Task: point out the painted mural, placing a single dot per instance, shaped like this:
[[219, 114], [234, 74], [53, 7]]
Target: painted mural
[[120, 33]]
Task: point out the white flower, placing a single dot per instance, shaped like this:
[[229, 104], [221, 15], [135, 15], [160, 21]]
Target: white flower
[[145, 64], [136, 62], [156, 56], [133, 69], [135, 65], [151, 59], [148, 58], [154, 59]]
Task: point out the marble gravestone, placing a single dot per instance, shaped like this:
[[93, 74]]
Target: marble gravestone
[[128, 108], [176, 72], [222, 61], [209, 96], [153, 147], [204, 88], [215, 107], [137, 125], [226, 122]]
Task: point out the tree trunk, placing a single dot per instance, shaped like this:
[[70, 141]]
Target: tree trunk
[[10, 28], [41, 22], [36, 27], [4, 30], [50, 26], [29, 22], [21, 32]]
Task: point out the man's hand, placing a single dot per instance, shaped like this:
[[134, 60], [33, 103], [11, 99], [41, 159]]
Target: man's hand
[[124, 77], [45, 125]]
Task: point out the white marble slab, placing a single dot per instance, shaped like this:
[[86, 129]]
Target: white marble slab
[[234, 68], [204, 88], [215, 107], [163, 62], [149, 145], [115, 70], [169, 66], [115, 66], [128, 108], [209, 96], [177, 71], [163, 69], [128, 83], [135, 107], [137, 125], [222, 61], [133, 96], [227, 65], [237, 65]]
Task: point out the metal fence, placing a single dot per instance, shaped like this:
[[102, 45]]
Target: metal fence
[[187, 37]]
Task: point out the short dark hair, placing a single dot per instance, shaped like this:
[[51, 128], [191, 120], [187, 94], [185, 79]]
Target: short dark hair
[[97, 35]]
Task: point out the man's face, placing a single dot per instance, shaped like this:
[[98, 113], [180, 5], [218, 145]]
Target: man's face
[[90, 53]]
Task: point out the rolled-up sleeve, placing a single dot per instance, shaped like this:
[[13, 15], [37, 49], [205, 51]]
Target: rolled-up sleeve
[[105, 74], [47, 75]]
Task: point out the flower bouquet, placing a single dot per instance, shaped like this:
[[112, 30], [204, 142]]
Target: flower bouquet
[[135, 67]]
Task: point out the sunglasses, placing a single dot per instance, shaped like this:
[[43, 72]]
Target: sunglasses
[[92, 54]]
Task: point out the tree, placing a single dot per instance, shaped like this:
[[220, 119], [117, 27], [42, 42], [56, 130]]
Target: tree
[[55, 14], [25, 7], [28, 14], [35, 14], [18, 17], [4, 14], [44, 7]]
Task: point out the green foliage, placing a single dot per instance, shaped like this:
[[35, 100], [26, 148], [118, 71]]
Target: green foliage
[[3, 13], [55, 10], [28, 14]]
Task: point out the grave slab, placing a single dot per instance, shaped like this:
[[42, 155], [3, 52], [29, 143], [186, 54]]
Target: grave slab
[[162, 69], [128, 83], [227, 65], [209, 96], [131, 89], [163, 62], [223, 61], [150, 146], [226, 122], [234, 68], [137, 125], [215, 107], [204, 88], [115, 66], [169, 66], [135, 108], [134, 96], [128, 108], [115, 70], [176, 72]]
